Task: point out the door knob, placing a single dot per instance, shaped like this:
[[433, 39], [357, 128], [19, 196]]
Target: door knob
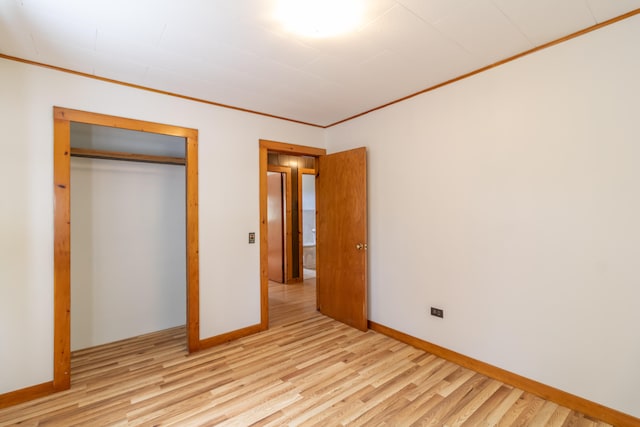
[[361, 246]]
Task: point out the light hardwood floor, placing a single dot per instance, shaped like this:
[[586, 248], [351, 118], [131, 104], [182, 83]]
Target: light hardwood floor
[[305, 370]]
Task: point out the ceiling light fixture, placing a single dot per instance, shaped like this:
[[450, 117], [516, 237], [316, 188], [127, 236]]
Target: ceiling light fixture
[[320, 18]]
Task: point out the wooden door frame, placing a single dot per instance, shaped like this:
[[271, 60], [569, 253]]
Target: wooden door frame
[[266, 146], [288, 250], [62, 228]]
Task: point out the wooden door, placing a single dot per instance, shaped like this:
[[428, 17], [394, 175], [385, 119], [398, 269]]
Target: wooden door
[[341, 233], [275, 229]]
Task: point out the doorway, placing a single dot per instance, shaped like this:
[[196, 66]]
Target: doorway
[[285, 173], [341, 264], [62, 224], [127, 236], [266, 148]]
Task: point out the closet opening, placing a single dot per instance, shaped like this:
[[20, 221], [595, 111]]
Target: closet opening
[[141, 150], [127, 234]]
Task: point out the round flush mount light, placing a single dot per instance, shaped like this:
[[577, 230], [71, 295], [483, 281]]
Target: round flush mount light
[[320, 18]]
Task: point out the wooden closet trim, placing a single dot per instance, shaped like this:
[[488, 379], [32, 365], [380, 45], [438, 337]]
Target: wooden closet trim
[[62, 227], [128, 157]]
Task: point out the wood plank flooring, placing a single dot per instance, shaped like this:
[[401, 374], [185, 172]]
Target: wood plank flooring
[[305, 370]]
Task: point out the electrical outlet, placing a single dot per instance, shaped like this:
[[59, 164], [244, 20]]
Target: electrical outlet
[[438, 312]]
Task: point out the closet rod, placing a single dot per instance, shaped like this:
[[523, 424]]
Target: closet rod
[[131, 157]]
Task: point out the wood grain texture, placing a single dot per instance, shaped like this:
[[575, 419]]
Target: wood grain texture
[[26, 394], [341, 236], [264, 147], [287, 254], [263, 236], [131, 157], [288, 237], [122, 122], [536, 388], [229, 336], [286, 148], [193, 240], [276, 230], [306, 370], [61, 253], [62, 118]]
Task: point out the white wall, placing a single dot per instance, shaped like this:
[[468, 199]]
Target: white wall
[[308, 209], [228, 197], [511, 200], [308, 192], [128, 268]]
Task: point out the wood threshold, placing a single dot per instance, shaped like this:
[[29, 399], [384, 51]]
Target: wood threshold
[[131, 157], [26, 394], [544, 391]]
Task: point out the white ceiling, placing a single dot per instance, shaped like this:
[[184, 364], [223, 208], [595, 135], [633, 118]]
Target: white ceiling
[[234, 52]]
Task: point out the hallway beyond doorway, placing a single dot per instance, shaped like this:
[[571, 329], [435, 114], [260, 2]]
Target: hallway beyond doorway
[[292, 302]]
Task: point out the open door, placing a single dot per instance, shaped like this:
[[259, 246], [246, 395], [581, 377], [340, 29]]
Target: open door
[[275, 217], [341, 233]]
